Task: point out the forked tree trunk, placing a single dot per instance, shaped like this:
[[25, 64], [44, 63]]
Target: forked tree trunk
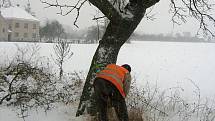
[[115, 36]]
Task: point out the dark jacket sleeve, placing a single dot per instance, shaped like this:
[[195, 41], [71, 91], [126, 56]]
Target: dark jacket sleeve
[[127, 83]]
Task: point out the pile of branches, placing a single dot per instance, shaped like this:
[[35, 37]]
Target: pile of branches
[[26, 86]]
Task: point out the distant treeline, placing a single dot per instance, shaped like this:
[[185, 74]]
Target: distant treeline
[[53, 30], [185, 37]]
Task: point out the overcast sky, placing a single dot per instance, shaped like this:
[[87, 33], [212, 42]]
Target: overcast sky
[[162, 23]]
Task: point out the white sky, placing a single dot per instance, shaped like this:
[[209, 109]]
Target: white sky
[[162, 23]]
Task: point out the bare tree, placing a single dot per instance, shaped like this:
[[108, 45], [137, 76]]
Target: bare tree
[[63, 52], [124, 16]]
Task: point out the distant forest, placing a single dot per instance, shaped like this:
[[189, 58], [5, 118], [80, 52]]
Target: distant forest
[[94, 33], [185, 37], [91, 33]]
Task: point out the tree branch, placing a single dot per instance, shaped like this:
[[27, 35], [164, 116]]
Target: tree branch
[[71, 8], [17, 92], [198, 9]]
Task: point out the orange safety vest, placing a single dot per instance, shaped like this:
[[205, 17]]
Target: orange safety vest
[[115, 74]]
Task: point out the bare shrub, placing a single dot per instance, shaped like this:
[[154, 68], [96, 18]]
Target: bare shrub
[[69, 88], [63, 52], [152, 104], [27, 82]]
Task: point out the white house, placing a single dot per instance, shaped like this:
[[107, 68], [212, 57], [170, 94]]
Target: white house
[[20, 25]]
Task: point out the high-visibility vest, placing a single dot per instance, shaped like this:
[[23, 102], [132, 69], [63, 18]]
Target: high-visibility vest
[[115, 74]]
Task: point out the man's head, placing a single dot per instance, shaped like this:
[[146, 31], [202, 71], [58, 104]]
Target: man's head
[[126, 66]]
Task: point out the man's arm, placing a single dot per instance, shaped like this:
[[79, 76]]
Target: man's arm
[[127, 83]]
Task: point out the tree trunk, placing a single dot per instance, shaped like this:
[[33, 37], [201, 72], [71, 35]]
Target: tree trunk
[[104, 55], [116, 34]]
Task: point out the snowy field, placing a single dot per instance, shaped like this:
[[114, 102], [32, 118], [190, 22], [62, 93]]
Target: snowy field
[[165, 64]]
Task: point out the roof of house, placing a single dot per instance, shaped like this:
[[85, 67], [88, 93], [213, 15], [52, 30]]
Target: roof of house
[[17, 13]]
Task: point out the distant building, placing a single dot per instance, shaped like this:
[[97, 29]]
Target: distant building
[[3, 29], [18, 25]]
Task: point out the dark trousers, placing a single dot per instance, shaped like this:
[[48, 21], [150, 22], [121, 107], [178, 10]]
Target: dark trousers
[[105, 91]]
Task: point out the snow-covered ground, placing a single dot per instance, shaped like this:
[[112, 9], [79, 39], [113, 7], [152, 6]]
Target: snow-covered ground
[[60, 113], [165, 64]]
